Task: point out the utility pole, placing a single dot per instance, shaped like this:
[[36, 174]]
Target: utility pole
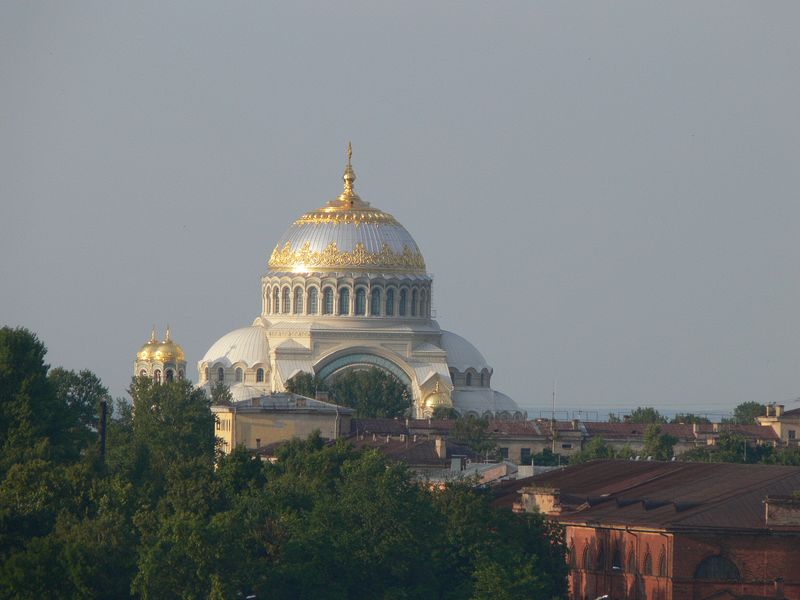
[[553, 418]]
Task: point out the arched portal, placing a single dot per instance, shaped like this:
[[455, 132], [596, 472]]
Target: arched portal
[[362, 359]]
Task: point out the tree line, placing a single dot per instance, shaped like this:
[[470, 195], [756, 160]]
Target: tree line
[[164, 514]]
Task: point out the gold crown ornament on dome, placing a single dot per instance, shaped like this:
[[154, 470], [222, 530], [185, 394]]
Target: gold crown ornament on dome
[[347, 233], [147, 349]]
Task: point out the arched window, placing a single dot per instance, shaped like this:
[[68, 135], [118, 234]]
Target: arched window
[[647, 568], [266, 302], [616, 559], [662, 565], [389, 302], [285, 300], [344, 301], [572, 559], [181, 374], [170, 376], [423, 303], [312, 307], [414, 302], [631, 562], [297, 307], [601, 558], [469, 378], [587, 559], [403, 298], [260, 376], [327, 301], [361, 301], [483, 380], [239, 374], [375, 302], [157, 376], [205, 373], [142, 372], [276, 301], [717, 568], [220, 374]]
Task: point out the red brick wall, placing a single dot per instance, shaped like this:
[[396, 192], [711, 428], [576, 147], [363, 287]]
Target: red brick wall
[[759, 558]]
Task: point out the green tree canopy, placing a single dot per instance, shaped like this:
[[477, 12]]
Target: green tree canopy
[[656, 444], [746, 413], [689, 418], [304, 384], [371, 392], [646, 414], [472, 432]]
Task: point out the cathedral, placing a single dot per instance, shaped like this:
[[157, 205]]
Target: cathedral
[[346, 288]]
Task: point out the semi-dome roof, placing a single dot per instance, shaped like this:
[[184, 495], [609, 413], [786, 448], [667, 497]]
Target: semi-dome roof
[[461, 354], [247, 344], [347, 234]]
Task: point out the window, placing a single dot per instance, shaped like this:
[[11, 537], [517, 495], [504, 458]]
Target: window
[[390, 302], [587, 559], [601, 558], [142, 372], [266, 302], [216, 421], [180, 374], [327, 301], [260, 376], [344, 301], [616, 560], [312, 308], [572, 557], [205, 373], [717, 568], [276, 302], [285, 300], [423, 303], [375, 303], [361, 301], [170, 376], [258, 442], [525, 456], [239, 374], [662, 565], [792, 434], [220, 374], [157, 376], [469, 378], [647, 569], [483, 380], [504, 452], [414, 301], [403, 298], [631, 563], [566, 446], [297, 307]]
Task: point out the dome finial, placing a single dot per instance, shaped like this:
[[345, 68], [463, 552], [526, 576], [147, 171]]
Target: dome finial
[[153, 337], [349, 176], [167, 335]]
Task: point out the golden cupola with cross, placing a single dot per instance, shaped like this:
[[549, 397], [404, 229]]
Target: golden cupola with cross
[[160, 360]]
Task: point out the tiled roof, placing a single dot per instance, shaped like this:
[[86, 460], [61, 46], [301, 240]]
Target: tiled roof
[[669, 494], [421, 453]]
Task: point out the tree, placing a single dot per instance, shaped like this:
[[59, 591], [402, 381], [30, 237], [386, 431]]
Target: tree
[[646, 414], [372, 392], [221, 395], [81, 393], [612, 418], [304, 384], [689, 418], [656, 444], [445, 412], [746, 413], [596, 448], [472, 432]]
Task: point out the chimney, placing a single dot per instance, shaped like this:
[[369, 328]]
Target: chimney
[[575, 424], [626, 418], [695, 428], [441, 448], [778, 410]]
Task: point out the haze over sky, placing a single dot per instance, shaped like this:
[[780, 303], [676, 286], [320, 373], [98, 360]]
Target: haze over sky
[[606, 193]]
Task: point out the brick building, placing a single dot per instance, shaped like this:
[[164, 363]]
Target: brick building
[[683, 531]]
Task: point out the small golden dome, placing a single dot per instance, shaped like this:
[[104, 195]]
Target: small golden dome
[[438, 398], [147, 350], [167, 350]]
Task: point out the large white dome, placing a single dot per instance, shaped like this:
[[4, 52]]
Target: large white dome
[[247, 345]]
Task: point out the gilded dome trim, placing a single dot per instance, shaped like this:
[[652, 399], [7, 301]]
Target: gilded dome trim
[[342, 217], [331, 258]]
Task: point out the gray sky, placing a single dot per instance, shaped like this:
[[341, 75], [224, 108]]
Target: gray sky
[[606, 193]]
